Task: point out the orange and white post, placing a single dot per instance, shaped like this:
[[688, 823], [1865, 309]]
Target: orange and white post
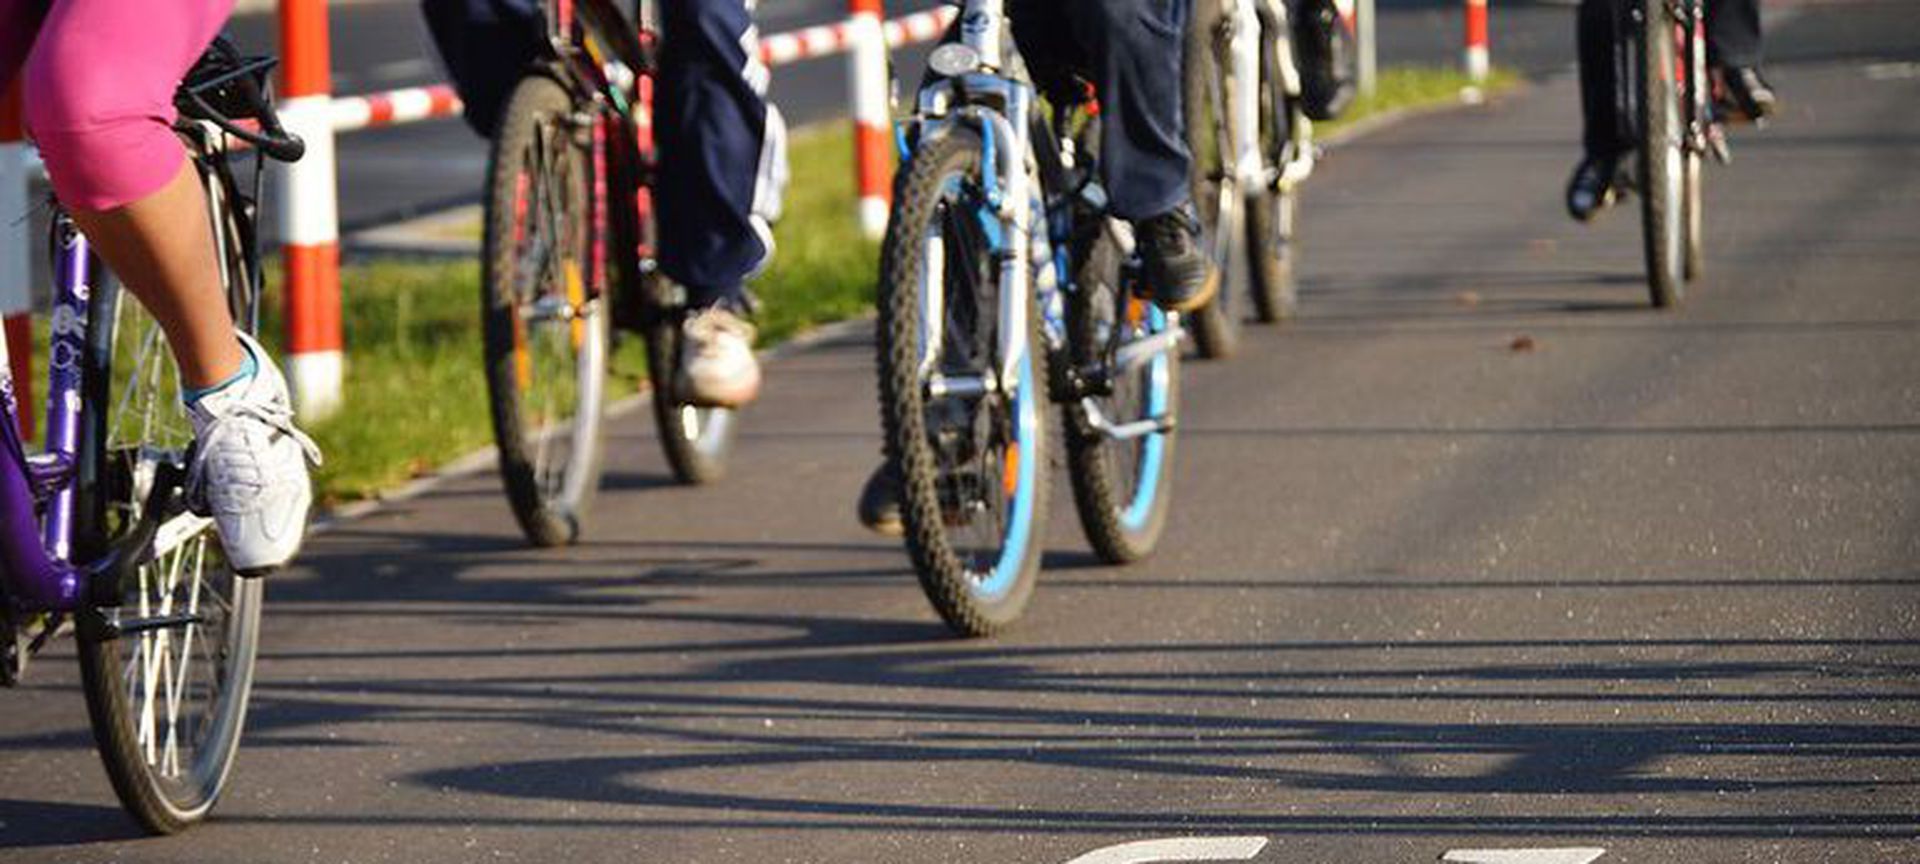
[[1476, 50], [309, 218], [871, 114], [16, 273]]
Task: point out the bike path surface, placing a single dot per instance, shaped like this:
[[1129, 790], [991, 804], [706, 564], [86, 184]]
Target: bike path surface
[[1482, 553]]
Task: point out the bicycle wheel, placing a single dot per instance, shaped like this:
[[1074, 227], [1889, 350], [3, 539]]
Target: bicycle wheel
[[1121, 476], [971, 452], [696, 438], [1662, 151], [1697, 112], [168, 697], [545, 331], [1216, 195], [1271, 211]]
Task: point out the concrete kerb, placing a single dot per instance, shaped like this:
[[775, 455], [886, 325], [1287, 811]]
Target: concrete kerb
[[485, 457]]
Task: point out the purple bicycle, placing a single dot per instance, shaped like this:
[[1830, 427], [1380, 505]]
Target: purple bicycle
[[95, 537]]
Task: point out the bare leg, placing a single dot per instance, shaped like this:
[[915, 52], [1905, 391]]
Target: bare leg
[[161, 246]]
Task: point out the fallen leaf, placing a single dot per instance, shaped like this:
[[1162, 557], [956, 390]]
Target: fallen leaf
[[1521, 343]]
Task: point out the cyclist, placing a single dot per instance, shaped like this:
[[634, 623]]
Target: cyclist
[[1131, 52], [1733, 53], [98, 82], [722, 159]]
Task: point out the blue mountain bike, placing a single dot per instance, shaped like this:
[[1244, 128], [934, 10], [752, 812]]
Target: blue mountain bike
[[1004, 285]]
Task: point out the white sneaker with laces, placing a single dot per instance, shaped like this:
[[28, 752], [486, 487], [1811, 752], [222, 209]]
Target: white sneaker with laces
[[249, 471], [717, 366]]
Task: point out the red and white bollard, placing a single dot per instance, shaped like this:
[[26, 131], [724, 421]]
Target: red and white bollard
[[309, 218], [1476, 50], [871, 114], [16, 273]]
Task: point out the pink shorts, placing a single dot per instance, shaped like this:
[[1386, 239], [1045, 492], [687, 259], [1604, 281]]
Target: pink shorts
[[97, 80]]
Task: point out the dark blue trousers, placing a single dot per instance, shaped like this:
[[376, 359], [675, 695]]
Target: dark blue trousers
[[722, 146], [1130, 50], [1733, 39]]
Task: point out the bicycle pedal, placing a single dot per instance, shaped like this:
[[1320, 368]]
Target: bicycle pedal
[[1717, 146]]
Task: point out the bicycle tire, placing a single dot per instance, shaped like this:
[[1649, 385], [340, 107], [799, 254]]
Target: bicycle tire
[[1122, 489], [1215, 326], [1662, 199], [695, 439], [535, 308], [1272, 213], [977, 588], [123, 682]]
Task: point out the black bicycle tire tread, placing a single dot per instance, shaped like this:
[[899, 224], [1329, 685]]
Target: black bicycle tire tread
[[1215, 327], [1656, 54], [1090, 475], [535, 93], [941, 575], [1272, 259]]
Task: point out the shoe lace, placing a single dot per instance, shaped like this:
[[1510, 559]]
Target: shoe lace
[[209, 449], [709, 326]]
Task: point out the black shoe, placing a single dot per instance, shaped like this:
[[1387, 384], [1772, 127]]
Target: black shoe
[[1325, 47], [879, 506], [1591, 188], [1175, 259], [1744, 94]]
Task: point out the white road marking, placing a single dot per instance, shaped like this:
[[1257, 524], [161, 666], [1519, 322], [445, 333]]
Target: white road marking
[[1572, 855], [1176, 849]]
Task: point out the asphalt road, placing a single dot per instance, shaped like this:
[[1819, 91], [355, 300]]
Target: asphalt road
[[389, 174], [1651, 586]]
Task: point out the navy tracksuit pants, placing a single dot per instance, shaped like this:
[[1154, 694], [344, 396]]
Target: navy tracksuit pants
[[1130, 50], [722, 145], [1733, 39]]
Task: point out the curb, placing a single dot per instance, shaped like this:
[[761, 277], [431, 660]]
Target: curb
[[485, 457]]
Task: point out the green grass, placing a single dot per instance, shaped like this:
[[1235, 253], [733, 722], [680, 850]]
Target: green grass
[[1402, 87], [415, 396]]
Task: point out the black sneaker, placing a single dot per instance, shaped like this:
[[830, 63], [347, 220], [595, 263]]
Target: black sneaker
[[1744, 94], [1325, 47], [1175, 259], [1591, 188], [879, 506]]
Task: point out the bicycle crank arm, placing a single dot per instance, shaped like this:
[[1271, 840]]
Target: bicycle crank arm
[[106, 576], [1138, 353], [1124, 431], [136, 626]]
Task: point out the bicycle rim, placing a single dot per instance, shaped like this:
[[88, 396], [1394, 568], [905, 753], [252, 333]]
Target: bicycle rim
[[1662, 146], [167, 701], [546, 326]]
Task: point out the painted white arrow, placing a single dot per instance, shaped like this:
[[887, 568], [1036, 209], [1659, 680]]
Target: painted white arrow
[[1573, 855], [1176, 849]]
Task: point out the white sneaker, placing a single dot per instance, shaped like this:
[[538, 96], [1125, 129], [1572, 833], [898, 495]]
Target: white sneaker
[[249, 470], [717, 366]]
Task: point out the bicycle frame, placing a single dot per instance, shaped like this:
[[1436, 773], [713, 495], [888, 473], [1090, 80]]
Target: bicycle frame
[[982, 91], [35, 573], [605, 58], [1248, 26]]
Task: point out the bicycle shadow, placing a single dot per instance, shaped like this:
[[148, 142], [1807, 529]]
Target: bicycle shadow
[[29, 824]]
